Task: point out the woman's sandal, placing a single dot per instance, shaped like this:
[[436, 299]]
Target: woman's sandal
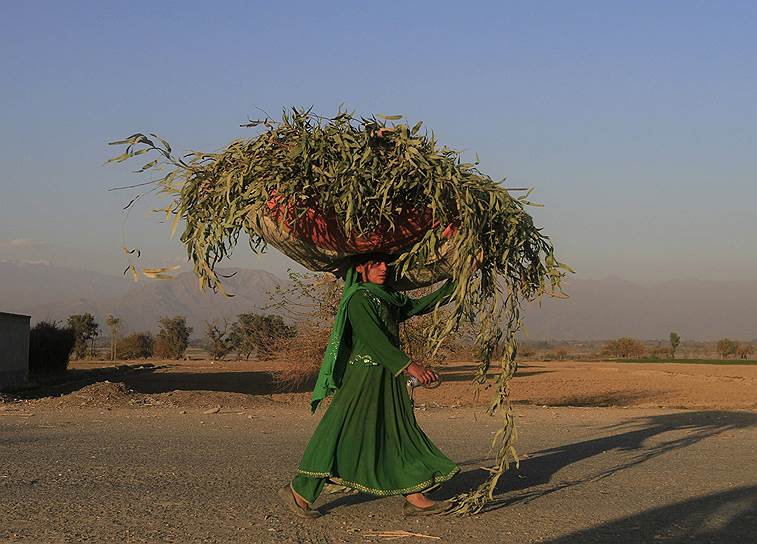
[[286, 494], [438, 507]]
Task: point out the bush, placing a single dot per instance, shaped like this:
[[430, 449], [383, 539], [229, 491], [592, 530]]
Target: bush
[[726, 347], [744, 350], [259, 334], [624, 347], [85, 331], [138, 345], [50, 347], [173, 338], [661, 353], [219, 340]]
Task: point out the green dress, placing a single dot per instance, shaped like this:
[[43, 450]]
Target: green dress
[[368, 439]]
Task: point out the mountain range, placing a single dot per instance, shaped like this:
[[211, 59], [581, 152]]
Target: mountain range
[[595, 310]]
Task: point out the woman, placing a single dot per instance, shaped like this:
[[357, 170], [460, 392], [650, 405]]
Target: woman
[[368, 439]]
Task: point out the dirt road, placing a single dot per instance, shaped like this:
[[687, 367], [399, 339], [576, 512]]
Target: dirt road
[[147, 473]]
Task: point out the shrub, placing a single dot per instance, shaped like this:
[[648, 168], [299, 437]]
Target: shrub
[[50, 347], [85, 331], [218, 340], [675, 340], [726, 347], [173, 338], [259, 334], [662, 353], [301, 355], [744, 350], [624, 347], [138, 345]]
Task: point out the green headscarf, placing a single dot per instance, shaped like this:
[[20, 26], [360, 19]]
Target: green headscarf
[[338, 348]]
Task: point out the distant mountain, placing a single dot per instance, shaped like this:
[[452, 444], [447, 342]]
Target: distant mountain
[[140, 305], [612, 307], [596, 309], [25, 285]]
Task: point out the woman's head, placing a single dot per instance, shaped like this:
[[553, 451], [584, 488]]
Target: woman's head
[[373, 267]]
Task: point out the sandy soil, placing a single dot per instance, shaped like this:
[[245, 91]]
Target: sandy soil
[[251, 383], [193, 451], [151, 474]]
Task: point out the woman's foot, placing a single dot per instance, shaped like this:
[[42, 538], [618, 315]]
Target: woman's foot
[[419, 500], [438, 507], [297, 504]]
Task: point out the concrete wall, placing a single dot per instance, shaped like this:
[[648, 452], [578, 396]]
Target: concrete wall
[[14, 349]]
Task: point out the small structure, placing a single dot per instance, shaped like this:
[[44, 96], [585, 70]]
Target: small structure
[[14, 349]]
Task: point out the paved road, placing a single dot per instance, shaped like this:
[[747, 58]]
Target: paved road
[[603, 475]]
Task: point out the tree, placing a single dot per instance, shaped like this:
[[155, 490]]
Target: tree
[[173, 338], [114, 325], [254, 333], [726, 347], [624, 347], [219, 341], [675, 340], [85, 330], [50, 347], [138, 345], [744, 350]]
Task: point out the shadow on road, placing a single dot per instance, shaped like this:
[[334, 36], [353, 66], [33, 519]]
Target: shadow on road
[[250, 383], [55, 385], [728, 517], [150, 379], [631, 439]]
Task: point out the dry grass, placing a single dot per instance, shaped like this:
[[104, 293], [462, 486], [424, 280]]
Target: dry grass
[[300, 356]]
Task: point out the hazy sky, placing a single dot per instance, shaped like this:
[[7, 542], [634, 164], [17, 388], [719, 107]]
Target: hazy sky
[[635, 121]]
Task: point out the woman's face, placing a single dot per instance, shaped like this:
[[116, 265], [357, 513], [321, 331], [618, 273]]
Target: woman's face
[[373, 271]]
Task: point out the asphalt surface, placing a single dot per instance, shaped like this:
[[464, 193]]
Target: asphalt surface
[[596, 475]]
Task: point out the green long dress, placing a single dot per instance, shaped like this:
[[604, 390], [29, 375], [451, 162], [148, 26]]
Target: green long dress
[[368, 439]]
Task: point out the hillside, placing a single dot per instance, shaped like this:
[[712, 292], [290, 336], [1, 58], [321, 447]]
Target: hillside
[[596, 309]]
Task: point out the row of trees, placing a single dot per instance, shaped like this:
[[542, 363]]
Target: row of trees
[[626, 347], [250, 334]]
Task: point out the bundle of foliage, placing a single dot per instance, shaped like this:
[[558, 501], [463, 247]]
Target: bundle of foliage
[[137, 345], [624, 348], [173, 338], [367, 177], [50, 347], [258, 334], [85, 331]]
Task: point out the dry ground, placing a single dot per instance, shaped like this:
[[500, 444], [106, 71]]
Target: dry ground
[[564, 383], [193, 451]]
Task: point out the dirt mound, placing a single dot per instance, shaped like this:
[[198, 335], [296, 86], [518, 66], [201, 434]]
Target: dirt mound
[[207, 399], [104, 394], [107, 394]]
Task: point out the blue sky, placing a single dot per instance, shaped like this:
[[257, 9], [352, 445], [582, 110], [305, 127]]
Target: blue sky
[[634, 121]]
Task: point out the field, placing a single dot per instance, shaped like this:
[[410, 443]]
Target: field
[[192, 451], [693, 361]]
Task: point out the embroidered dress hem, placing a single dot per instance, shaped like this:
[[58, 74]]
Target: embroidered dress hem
[[432, 482]]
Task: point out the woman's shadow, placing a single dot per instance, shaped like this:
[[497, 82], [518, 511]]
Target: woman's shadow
[[531, 479]]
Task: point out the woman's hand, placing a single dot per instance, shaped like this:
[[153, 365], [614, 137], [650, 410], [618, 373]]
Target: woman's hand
[[423, 374]]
